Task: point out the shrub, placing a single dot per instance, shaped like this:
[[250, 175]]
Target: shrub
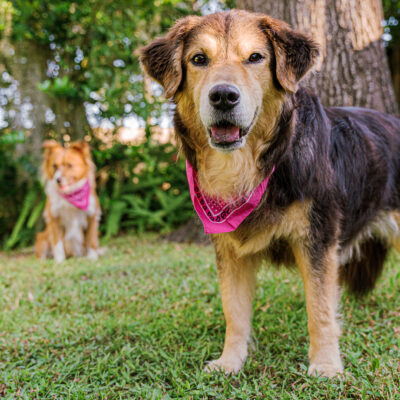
[[140, 188]]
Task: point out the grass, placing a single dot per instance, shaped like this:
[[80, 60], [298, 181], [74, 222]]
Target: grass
[[141, 322]]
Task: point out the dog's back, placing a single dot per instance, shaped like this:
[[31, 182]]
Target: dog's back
[[368, 177]]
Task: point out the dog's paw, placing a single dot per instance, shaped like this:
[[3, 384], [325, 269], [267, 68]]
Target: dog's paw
[[328, 370], [59, 259], [58, 252], [231, 366], [92, 254]]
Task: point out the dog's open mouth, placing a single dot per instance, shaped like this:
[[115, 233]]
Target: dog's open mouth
[[226, 136]]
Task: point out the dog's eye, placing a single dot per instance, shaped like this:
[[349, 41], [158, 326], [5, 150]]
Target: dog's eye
[[255, 57], [199, 59], [54, 166]]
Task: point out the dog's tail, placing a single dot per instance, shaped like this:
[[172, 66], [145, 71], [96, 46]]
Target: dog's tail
[[362, 271]]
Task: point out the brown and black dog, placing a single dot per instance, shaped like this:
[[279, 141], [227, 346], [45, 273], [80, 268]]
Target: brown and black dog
[[332, 206]]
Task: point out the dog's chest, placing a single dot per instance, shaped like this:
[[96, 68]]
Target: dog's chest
[[291, 225], [73, 219]]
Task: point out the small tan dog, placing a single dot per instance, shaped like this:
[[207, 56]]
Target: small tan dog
[[72, 210]]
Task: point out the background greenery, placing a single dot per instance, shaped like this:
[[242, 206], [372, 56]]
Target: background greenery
[[89, 50], [141, 321], [77, 55]]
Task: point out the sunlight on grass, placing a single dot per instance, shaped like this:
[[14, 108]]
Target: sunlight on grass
[[141, 322]]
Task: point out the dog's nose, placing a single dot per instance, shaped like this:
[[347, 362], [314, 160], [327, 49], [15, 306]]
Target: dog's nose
[[224, 97], [58, 180]]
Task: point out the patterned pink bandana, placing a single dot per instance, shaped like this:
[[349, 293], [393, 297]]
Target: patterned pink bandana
[[79, 197], [218, 216]]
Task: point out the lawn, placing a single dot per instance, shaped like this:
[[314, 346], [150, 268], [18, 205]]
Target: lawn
[[141, 322]]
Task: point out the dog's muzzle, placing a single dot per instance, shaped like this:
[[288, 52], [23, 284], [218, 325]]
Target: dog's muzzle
[[224, 97], [226, 130]]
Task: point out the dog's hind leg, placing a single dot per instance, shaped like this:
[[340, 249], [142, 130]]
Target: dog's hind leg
[[237, 282], [396, 240], [322, 295]]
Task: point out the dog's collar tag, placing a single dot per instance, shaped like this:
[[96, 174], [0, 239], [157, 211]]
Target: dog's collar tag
[[218, 216], [79, 197]]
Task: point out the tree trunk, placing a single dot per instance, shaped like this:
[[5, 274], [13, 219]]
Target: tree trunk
[[71, 119], [353, 69], [27, 63], [28, 67]]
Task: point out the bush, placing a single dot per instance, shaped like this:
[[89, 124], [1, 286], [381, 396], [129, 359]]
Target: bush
[[21, 198], [140, 188]]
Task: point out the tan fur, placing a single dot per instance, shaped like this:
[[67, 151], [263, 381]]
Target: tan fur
[[396, 239], [322, 296], [220, 174], [292, 225], [52, 158], [227, 175], [237, 283], [66, 224], [385, 226]]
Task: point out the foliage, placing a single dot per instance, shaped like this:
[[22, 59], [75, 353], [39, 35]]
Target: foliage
[[91, 46], [19, 199], [140, 188], [142, 321], [391, 10]]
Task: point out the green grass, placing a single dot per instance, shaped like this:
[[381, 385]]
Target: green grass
[[141, 322]]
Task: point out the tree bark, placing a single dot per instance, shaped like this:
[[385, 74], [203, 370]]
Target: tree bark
[[353, 69], [28, 67], [27, 63]]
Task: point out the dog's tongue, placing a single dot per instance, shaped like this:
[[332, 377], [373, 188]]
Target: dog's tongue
[[225, 134]]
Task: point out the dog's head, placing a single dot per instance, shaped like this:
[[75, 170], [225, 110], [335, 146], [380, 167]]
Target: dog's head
[[226, 69], [75, 167]]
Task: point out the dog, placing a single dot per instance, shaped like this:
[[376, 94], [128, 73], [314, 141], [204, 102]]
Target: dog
[[321, 186], [72, 210]]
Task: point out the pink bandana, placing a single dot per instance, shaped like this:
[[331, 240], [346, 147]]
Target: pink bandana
[[80, 197], [218, 216]]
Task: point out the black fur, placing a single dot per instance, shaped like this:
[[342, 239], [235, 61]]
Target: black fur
[[360, 274], [347, 162]]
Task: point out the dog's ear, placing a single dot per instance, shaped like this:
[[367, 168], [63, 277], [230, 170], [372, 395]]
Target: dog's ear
[[295, 53], [82, 147], [162, 59], [50, 144]]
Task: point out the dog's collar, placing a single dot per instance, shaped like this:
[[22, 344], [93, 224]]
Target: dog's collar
[[218, 216], [79, 195]]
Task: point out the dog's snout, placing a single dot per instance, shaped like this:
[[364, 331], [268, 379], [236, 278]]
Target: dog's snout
[[58, 180], [224, 97]]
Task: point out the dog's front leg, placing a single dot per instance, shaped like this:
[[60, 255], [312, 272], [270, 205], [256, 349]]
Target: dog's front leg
[[92, 238], [237, 282], [56, 239], [320, 278]]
